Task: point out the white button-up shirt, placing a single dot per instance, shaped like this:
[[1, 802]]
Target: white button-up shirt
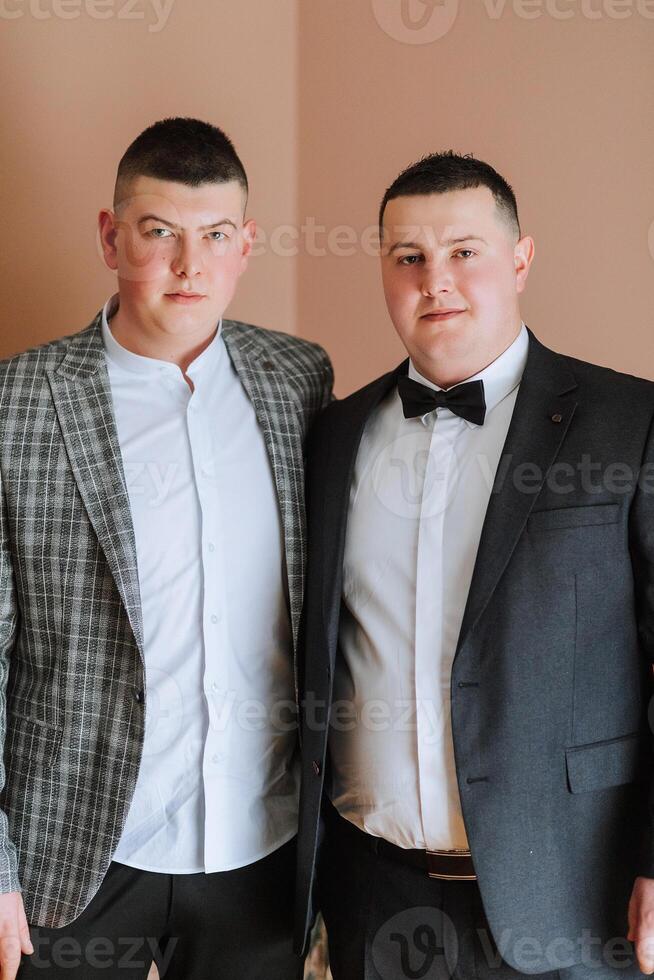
[[417, 505], [218, 785]]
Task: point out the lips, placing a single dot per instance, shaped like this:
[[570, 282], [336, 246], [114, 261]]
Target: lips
[[185, 298], [437, 315]]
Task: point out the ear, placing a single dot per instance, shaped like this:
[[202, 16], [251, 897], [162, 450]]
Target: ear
[[248, 235], [523, 257], [107, 231]]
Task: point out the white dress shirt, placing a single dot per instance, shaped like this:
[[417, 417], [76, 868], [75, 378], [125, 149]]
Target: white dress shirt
[[217, 787], [417, 505]]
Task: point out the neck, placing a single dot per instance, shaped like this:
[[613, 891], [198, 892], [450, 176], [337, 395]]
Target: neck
[[148, 340], [446, 372]]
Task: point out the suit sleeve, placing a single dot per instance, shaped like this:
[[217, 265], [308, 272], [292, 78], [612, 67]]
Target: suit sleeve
[[328, 384], [641, 535], [9, 617]]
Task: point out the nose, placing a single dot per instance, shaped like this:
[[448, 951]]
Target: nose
[[187, 262], [436, 278]]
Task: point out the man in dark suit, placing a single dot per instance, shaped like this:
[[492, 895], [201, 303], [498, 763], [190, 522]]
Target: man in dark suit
[[478, 627], [151, 577]]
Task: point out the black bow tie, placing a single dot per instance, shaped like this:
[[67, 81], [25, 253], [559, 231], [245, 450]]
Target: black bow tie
[[466, 400]]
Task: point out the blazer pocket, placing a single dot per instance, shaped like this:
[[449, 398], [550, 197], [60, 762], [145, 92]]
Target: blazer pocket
[[587, 516], [29, 741], [600, 765]]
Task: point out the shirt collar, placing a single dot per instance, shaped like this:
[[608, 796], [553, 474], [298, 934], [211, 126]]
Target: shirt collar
[[500, 377], [139, 363]]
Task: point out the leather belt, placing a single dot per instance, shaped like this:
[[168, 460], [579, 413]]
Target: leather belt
[[444, 865]]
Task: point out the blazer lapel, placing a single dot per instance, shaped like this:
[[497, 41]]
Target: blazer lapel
[[277, 414], [339, 462], [543, 410], [82, 398]]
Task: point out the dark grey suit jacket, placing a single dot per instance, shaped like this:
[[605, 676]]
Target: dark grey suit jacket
[[551, 678]]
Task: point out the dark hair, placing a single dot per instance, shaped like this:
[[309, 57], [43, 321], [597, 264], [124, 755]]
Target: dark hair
[[188, 151], [441, 172]]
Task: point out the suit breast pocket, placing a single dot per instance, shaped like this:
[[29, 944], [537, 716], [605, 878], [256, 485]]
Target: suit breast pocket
[[591, 515]]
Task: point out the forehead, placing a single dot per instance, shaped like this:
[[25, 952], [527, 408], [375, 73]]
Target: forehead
[[173, 201], [449, 215]]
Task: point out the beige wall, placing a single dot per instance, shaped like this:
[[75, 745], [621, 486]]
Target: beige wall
[[563, 108], [326, 106], [74, 93]]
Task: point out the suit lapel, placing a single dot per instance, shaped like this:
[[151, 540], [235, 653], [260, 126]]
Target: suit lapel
[[543, 410], [82, 399], [339, 462], [277, 414]]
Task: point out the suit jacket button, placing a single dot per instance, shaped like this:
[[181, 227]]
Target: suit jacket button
[[316, 767], [268, 365], [557, 418], [139, 696]]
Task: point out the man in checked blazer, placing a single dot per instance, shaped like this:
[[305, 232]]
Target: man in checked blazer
[[478, 628], [151, 580]]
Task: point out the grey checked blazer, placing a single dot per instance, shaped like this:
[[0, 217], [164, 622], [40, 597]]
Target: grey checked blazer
[[72, 700]]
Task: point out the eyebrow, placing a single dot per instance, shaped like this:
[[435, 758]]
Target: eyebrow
[[465, 238], [169, 224], [448, 242]]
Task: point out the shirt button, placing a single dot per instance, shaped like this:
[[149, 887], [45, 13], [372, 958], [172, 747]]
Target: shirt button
[[212, 546], [214, 686], [214, 619], [216, 758]]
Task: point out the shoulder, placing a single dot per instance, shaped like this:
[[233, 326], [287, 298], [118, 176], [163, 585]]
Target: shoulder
[[30, 367], [363, 398], [598, 375], [35, 360], [614, 390], [341, 416], [284, 349], [613, 408], [303, 366]]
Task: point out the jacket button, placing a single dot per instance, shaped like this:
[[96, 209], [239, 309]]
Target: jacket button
[[316, 767], [139, 696]]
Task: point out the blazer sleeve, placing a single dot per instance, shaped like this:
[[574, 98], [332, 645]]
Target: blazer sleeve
[[327, 393], [9, 619], [641, 543]]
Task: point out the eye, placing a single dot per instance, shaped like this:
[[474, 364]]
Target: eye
[[213, 235], [409, 259], [465, 253], [159, 232]]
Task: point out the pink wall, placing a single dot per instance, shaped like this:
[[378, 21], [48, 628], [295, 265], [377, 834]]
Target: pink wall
[[76, 92], [326, 102], [561, 107]]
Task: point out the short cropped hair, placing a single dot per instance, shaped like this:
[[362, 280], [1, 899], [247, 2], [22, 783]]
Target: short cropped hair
[[438, 173], [188, 151]]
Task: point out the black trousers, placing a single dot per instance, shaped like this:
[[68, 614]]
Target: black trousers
[[388, 921], [228, 925]]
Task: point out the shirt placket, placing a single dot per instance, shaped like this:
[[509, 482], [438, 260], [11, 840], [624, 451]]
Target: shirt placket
[[215, 678], [431, 672]]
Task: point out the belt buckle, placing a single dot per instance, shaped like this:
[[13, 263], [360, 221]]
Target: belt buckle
[[438, 865]]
